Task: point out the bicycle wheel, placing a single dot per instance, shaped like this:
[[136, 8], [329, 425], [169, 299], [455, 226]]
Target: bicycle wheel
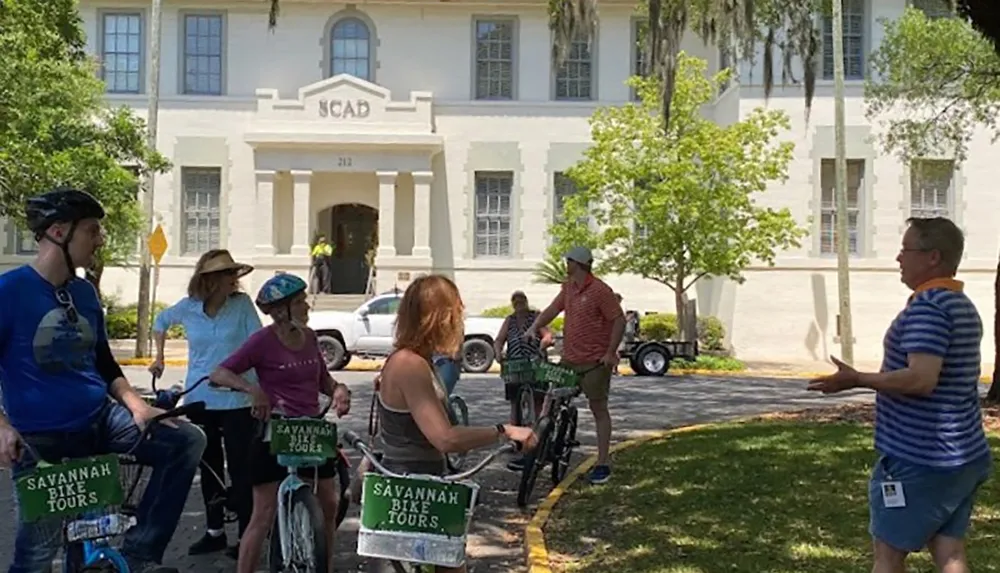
[[307, 537], [525, 413], [535, 461], [458, 413], [562, 447]]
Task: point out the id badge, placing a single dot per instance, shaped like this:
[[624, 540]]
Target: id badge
[[892, 494]]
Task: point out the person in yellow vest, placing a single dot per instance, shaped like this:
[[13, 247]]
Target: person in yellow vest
[[322, 258]]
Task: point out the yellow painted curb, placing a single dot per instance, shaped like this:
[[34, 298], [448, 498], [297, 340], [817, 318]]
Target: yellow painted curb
[[376, 365], [148, 361], [534, 537]]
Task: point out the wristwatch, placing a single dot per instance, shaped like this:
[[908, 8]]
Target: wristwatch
[[501, 432]]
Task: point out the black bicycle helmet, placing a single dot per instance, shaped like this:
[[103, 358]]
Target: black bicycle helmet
[[61, 205]]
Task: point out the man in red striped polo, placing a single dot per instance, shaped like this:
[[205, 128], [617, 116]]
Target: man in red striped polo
[[593, 328]]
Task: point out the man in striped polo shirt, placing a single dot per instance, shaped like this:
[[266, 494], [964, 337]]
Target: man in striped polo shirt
[[592, 330], [933, 454]]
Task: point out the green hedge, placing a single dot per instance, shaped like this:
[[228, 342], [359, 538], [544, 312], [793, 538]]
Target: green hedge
[[708, 362], [123, 321], [661, 326]]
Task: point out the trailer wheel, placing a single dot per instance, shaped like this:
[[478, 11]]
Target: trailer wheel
[[653, 359]]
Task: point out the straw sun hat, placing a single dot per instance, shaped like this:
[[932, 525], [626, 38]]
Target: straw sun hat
[[224, 262]]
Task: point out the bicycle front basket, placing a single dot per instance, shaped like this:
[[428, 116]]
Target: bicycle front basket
[[559, 376], [418, 519], [517, 371], [71, 488]]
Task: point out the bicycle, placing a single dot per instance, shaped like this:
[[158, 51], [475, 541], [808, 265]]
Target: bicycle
[[558, 415], [413, 522], [97, 497], [522, 373], [300, 442]]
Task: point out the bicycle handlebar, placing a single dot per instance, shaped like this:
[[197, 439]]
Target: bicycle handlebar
[[323, 410], [355, 441]]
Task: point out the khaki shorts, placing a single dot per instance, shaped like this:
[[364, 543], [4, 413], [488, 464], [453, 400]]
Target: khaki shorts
[[596, 382]]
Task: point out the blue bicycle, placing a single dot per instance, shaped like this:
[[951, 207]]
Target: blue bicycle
[[97, 496]]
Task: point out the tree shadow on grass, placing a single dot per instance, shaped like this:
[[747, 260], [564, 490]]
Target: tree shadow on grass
[[754, 497]]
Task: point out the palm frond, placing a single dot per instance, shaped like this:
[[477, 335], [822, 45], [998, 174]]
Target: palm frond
[[551, 271]]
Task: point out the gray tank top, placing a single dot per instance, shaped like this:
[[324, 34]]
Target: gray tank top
[[399, 437]]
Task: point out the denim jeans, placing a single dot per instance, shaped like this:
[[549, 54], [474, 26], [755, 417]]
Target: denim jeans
[[173, 454]]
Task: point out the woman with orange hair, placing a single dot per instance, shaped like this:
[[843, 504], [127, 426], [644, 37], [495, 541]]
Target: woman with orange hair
[[414, 432]]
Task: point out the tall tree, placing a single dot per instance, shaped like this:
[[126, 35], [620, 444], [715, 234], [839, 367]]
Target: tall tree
[[55, 128], [673, 205], [935, 82]]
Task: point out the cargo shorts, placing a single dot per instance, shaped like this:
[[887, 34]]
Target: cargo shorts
[[596, 382]]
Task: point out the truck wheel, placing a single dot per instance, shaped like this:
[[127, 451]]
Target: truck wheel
[[334, 354], [653, 359], [477, 355]]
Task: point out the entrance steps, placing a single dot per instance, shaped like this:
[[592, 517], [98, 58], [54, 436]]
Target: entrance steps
[[337, 302]]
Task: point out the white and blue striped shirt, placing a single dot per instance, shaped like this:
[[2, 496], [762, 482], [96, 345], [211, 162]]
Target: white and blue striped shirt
[[944, 429]]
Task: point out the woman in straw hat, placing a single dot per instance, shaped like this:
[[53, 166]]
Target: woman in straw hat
[[217, 319]]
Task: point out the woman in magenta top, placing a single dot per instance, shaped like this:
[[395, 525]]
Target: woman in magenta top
[[291, 374]]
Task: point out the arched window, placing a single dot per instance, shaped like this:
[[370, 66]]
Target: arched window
[[350, 49]]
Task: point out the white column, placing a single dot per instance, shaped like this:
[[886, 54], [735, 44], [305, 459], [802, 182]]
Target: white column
[[422, 213], [301, 211], [386, 213], [265, 213]]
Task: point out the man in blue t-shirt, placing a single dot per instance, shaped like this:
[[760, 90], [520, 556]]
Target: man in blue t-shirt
[[58, 377], [933, 453]]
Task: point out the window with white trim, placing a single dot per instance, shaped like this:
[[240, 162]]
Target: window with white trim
[[854, 41], [350, 49], [203, 45], [201, 190], [931, 187], [494, 196], [575, 77], [828, 215], [19, 241], [494, 52], [122, 53], [934, 9]]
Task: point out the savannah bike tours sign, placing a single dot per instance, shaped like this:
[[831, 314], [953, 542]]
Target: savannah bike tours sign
[[71, 488], [417, 519], [303, 437]]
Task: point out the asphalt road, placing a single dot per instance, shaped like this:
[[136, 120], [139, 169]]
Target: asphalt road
[[638, 405]]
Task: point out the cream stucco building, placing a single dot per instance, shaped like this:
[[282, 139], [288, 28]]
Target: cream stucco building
[[433, 136]]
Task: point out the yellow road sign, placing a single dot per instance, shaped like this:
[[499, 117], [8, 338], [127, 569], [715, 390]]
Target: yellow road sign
[[157, 243]]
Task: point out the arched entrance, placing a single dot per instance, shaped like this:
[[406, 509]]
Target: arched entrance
[[354, 235]]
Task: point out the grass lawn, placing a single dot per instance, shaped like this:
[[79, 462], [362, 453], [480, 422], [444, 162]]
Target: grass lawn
[[780, 494]]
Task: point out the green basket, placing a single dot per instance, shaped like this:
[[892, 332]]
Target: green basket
[[558, 376], [70, 488], [520, 371]]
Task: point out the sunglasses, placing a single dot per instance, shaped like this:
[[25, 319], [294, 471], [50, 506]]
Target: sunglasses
[[65, 300]]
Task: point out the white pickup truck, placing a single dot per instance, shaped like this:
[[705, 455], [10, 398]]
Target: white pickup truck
[[368, 333]]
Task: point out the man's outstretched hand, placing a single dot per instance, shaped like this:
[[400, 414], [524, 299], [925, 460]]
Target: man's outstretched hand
[[844, 378]]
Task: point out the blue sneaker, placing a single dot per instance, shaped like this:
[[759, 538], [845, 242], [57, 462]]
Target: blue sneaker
[[599, 475]]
